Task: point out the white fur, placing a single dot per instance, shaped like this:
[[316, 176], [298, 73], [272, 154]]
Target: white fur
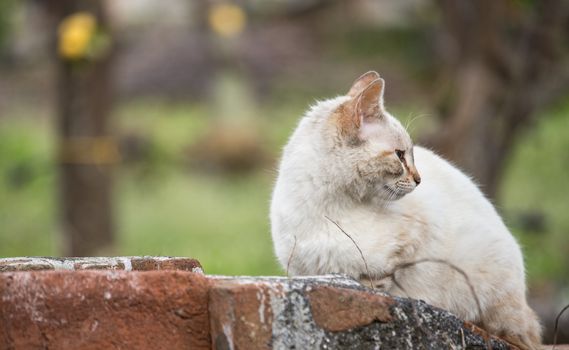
[[445, 217]]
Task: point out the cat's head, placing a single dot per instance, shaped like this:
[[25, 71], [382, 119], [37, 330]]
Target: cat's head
[[372, 148]]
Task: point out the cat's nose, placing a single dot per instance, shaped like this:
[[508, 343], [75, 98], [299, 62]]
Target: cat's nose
[[416, 178]]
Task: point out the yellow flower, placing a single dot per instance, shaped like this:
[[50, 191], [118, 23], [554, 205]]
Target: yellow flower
[[75, 34], [227, 20]]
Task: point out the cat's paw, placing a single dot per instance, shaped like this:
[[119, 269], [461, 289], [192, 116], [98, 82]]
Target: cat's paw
[[382, 285], [519, 326]]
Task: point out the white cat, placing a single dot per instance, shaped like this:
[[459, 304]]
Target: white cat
[[351, 163]]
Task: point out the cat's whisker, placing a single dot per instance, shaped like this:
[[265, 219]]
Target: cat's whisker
[[410, 120], [410, 123]]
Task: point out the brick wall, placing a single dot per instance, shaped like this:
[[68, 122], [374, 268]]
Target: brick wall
[[168, 303]]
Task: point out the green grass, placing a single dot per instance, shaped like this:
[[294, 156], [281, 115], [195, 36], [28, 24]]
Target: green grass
[[165, 207], [223, 222], [28, 212]]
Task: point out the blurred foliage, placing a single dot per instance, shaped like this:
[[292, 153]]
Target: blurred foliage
[[76, 33], [227, 20], [406, 45], [7, 8], [534, 195]]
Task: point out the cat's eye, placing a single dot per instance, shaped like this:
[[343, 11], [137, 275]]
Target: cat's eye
[[400, 154]]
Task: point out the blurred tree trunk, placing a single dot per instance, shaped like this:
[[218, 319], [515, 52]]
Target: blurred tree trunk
[[86, 149], [505, 60]]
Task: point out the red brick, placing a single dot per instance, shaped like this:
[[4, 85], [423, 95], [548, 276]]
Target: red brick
[[240, 315], [104, 310]]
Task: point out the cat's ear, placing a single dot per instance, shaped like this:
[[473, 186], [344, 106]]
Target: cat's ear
[[363, 112], [362, 82], [369, 103]]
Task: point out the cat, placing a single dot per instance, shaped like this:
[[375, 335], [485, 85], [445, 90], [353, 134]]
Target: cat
[[351, 166]]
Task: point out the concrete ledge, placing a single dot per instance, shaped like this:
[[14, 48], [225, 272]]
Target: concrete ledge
[[128, 263]]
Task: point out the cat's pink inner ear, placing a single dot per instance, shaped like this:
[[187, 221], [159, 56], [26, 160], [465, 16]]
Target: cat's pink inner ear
[[362, 82], [370, 101]]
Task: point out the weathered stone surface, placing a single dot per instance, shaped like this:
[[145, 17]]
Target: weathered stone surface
[[144, 263], [103, 310], [397, 324]]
